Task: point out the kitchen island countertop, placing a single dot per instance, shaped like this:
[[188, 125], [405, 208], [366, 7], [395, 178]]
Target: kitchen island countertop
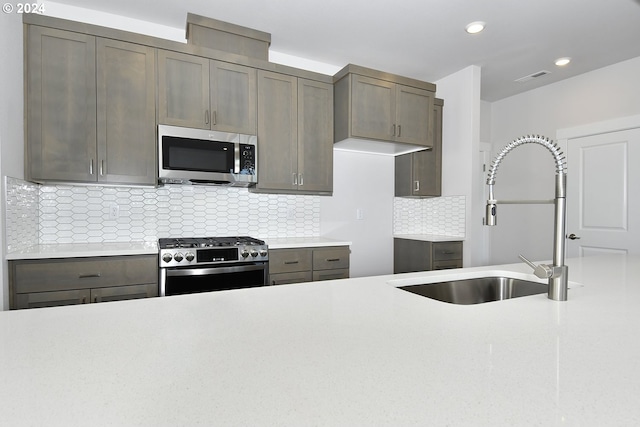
[[346, 352]]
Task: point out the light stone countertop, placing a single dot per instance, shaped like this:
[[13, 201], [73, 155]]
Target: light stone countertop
[[304, 242], [345, 352], [429, 237], [71, 250]]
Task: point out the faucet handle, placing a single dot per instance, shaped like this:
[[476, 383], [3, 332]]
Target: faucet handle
[[542, 271]]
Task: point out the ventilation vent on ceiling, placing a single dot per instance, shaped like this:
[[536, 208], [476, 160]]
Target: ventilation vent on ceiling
[[533, 76]]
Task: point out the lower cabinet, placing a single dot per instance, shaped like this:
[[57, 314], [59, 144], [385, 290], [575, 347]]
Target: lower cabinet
[[68, 281], [419, 255], [308, 264]]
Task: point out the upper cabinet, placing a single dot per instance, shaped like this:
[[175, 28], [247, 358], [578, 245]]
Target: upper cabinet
[[419, 174], [295, 128], [206, 94], [372, 105], [90, 109]]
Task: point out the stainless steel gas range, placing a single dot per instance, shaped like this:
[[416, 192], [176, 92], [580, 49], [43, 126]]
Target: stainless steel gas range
[[204, 264]]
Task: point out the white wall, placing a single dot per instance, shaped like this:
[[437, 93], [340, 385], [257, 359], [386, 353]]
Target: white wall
[[528, 172], [461, 169], [11, 119], [365, 182]]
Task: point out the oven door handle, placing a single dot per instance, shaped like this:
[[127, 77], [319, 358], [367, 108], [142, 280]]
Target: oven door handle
[[214, 270]]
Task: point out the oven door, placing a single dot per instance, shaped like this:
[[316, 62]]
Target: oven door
[[177, 281]]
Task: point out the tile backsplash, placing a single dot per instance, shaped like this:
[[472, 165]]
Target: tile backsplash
[[439, 215], [73, 214], [41, 214]]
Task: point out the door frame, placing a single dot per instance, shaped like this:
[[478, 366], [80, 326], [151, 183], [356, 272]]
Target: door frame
[[597, 128]]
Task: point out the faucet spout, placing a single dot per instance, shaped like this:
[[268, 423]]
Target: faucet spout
[[558, 273]]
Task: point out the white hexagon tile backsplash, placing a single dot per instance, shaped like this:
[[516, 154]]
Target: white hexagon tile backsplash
[[41, 214], [74, 214]]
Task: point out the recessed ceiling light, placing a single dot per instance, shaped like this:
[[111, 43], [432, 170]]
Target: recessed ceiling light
[[475, 27], [561, 62]]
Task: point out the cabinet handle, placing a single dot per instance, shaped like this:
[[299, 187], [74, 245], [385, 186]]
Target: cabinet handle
[[332, 259], [84, 300], [295, 179], [206, 117], [399, 130], [393, 131], [417, 186], [102, 168], [291, 262], [300, 179], [87, 276], [91, 167], [215, 118]]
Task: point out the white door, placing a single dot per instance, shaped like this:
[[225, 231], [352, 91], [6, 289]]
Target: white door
[[603, 193]]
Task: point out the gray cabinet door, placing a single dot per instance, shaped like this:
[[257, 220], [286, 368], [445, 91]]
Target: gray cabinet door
[[315, 136], [277, 131], [61, 105], [126, 84], [413, 124], [183, 90], [233, 98], [427, 165], [52, 298], [121, 293], [419, 174], [373, 108]]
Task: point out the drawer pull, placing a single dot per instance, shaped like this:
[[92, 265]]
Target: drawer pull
[[448, 252], [291, 262], [333, 259], [87, 276]]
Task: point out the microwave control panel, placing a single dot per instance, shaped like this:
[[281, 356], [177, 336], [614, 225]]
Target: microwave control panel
[[247, 159]]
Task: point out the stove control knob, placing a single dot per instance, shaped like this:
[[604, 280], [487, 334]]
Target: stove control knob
[[263, 252], [254, 253], [244, 253], [167, 257], [178, 257], [190, 256]]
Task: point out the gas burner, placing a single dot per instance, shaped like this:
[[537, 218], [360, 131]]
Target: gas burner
[[208, 242], [178, 252]]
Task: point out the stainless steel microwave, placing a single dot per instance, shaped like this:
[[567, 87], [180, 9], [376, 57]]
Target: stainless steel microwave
[[200, 156]]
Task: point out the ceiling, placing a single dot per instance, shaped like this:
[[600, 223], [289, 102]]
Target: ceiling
[[425, 39]]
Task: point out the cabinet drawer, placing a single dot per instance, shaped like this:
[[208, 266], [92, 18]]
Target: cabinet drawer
[[289, 260], [342, 273], [443, 251], [331, 258], [83, 273], [288, 278], [120, 293], [52, 299], [443, 265]]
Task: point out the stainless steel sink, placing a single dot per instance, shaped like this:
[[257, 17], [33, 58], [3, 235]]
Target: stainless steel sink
[[477, 291]]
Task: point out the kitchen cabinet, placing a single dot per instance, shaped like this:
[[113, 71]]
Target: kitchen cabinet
[[419, 174], [90, 109], [126, 114], [381, 106], [298, 265], [295, 126], [419, 255], [54, 282], [207, 94]]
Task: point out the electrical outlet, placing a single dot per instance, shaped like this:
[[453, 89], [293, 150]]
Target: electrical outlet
[[359, 214], [114, 211]]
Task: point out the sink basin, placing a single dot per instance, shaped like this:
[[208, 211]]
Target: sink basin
[[477, 291]]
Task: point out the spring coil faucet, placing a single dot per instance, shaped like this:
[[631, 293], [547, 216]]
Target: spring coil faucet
[[558, 272]]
